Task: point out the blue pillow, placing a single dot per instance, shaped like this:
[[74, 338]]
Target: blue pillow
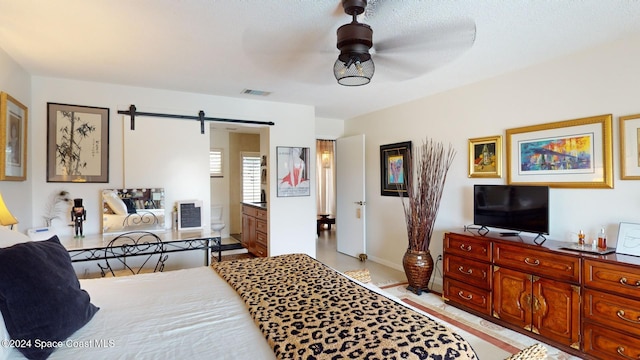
[[40, 295]]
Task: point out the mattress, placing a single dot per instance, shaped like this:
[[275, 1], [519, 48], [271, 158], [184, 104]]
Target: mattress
[[182, 314]]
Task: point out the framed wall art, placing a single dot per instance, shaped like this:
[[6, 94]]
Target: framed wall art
[[566, 154], [77, 143], [293, 171], [628, 241], [395, 160], [630, 147], [13, 139], [485, 157]]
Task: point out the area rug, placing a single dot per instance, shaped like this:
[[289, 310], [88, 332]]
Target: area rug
[[490, 341]]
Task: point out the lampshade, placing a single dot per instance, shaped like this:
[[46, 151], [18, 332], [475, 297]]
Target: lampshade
[[354, 72], [6, 218]]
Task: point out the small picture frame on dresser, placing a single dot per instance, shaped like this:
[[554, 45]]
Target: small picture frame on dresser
[[628, 239]]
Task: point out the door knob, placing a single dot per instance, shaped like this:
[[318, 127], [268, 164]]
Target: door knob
[[360, 203]]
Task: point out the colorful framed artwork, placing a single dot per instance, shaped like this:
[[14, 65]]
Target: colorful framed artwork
[[565, 154], [77, 143], [485, 157], [13, 139], [395, 169], [630, 147], [293, 171], [628, 241]]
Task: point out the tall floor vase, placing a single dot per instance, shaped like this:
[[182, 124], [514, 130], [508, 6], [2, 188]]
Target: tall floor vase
[[418, 266]]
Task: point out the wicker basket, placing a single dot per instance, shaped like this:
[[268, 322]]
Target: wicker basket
[[361, 275]]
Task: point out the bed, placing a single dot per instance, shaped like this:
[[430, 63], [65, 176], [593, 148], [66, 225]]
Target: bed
[[288, 306]]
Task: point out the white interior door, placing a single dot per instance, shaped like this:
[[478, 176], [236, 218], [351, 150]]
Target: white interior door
[[350, 204]]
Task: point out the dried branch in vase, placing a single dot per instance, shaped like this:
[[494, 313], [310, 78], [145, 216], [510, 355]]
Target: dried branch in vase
[[424, 190]]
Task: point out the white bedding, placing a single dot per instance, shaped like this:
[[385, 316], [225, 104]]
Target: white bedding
[[182, 314]]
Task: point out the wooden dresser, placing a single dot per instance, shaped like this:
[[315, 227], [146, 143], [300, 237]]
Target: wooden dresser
[[587, 305], [255, 229]]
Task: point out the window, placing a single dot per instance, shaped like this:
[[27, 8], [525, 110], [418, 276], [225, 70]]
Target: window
[[215, 163], [250, 177]]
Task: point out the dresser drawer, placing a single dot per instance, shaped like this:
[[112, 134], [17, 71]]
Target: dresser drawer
[[469, 271], [536, 262], [612, 311], [612, 278], [609, 344], [261, 225], [261, 214], [260, 250], [468, 247], [467, 295], [261, 239], [249, 210]]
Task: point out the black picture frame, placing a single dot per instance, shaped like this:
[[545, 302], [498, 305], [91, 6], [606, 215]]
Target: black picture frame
[[88, 151], [395, 171]]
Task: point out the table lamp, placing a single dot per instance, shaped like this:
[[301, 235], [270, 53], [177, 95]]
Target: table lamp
[[6, 219]]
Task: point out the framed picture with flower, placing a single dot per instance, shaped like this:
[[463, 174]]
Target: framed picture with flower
[[485, 157]]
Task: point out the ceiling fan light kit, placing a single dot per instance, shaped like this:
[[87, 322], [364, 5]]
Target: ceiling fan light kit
[[354, 65]]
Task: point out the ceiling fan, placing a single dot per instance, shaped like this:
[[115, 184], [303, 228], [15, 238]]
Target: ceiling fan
[[412, 39], [355, 66]]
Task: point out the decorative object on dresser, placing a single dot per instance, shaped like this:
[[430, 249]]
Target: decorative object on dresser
[[485, 157], [77, 143], [133, 209], [424, 190], [569, 154], [13, 139], [628, 239], [585, 304], [52, 209], [189, 214]]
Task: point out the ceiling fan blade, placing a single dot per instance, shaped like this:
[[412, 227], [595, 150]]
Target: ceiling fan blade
[[460, 35], [407, 59]]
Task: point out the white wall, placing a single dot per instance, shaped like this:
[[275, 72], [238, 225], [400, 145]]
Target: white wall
[[169, 153], [601, 81], [16, 82]]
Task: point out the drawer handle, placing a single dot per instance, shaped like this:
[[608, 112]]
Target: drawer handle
[[620, 351], [529, 262], [622, 316], [460, 294], [468, 272], [463, 248], [623, 281]]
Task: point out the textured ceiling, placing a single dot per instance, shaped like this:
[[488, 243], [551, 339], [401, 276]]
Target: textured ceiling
[[287, 47]]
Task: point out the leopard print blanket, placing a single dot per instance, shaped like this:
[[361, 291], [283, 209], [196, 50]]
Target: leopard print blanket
[[307, 310]]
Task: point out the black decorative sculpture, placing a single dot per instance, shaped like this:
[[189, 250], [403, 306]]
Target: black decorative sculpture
[[79, 215]]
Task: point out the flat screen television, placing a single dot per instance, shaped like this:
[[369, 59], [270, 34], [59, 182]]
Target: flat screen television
[[512, 207]]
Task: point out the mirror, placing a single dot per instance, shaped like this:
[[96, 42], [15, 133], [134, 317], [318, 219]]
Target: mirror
[[132, 209]]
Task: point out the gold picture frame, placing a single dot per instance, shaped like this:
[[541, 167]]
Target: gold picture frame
[[485, 157], [630, 147], [13, 139], [574, 153]]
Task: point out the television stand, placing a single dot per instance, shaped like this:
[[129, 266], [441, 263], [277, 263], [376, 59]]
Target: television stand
[[510, 233]]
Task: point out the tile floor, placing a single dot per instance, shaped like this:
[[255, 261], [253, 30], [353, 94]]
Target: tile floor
[[326, 252]]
